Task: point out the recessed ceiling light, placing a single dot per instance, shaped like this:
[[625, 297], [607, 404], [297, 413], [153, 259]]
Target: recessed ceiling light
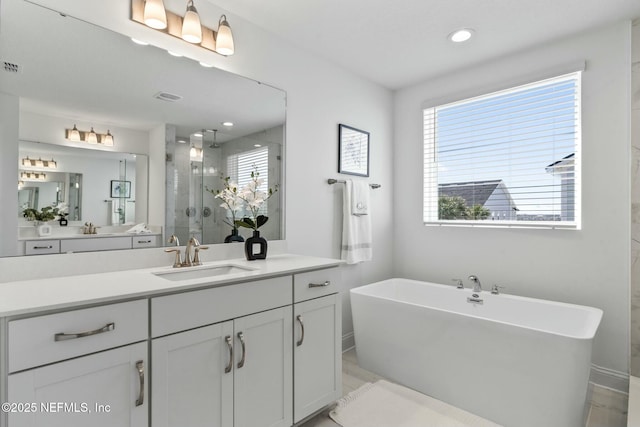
[[197, 135], [461, 35], [228, 124], [182, 141], [257, 145], [140, 42]]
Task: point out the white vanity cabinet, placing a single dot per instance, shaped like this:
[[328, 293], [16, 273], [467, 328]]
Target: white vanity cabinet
[[317, 369], [235, 373], [263, 352], [81, 367]]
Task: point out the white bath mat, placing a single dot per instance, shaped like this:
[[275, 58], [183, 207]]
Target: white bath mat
[[384, 404]]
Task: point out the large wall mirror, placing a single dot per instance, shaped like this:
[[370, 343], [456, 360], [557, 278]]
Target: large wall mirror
[[165, 114]]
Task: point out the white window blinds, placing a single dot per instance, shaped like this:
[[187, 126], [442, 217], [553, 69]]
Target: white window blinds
[[240, 166], [507, 158]]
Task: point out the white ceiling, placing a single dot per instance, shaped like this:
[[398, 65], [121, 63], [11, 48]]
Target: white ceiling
[[396, 43]]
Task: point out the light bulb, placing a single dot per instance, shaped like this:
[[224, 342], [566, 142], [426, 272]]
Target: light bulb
[[191, 27], [155, 15]]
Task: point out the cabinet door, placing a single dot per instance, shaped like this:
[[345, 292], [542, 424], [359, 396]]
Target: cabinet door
[[100, 390], [263, 369], [193, 378], [317, 354]]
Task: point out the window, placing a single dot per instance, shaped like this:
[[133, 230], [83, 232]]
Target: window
[[508, 158], [240, 166]]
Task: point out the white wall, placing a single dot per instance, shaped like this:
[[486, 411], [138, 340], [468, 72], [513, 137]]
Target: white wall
[[319, 96], [590, 266], [8, 174]]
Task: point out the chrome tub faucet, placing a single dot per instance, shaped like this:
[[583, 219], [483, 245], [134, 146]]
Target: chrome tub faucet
[[477, 286]]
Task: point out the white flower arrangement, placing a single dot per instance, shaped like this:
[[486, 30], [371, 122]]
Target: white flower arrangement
[[250, 198]]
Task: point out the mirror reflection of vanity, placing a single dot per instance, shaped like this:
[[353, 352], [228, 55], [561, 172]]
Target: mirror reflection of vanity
[[104, 81]]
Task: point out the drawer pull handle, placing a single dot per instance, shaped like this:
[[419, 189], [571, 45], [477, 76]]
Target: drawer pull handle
[[63, 337], [43, 247], [319, 285], [228, 368], [299, 343], [244, 352], [144, 241], [140, 368]]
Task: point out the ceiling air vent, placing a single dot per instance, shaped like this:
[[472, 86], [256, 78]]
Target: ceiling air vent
[[166, 96], [11, 67]]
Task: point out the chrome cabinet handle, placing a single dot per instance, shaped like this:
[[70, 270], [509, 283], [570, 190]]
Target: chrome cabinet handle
[[244, 352], [63, 336], [140, 368], [299, 343], [43, 247], [319, 285], [144, 241], [228, 368]]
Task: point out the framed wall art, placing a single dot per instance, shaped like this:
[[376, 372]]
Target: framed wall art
[[120, 189], [353, 151]]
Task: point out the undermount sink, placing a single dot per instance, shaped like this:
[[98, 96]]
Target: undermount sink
[[187, 273]]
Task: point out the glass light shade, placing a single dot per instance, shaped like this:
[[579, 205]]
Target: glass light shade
[[107, 139], [224, 39], [191, 27], [39, 163], [193, 152], [155, 15], [74, 134], [92, 137]]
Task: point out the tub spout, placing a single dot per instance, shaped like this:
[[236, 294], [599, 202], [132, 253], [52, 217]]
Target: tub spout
[[477, 286]]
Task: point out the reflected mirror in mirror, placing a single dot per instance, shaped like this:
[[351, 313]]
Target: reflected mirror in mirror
[[71, 73]]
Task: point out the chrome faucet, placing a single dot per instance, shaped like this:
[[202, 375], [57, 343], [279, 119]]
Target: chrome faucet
[[192, 243], [477, 286]]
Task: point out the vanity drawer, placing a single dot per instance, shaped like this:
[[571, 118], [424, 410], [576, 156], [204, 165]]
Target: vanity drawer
[[44, 339], [37, 247], [314, 284], [174, 313], [144, 241]]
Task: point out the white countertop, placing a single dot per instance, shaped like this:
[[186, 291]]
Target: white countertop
[[31, 296]]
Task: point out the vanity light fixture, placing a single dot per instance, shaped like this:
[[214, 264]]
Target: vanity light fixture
[[73, 134], [188, 28], [155, 15], [191, 26], [90, 137], [107, 139], [47, 164], [33, 176], [224, 40]]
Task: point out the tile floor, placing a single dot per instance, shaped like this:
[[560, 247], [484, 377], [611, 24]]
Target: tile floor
[[608, 408]]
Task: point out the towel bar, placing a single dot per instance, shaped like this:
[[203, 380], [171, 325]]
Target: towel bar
[[332, 181]]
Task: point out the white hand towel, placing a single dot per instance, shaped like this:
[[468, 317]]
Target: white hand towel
[[356, 230], [360, 198]]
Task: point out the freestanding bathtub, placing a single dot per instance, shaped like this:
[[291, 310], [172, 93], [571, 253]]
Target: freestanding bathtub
[[519, 362]]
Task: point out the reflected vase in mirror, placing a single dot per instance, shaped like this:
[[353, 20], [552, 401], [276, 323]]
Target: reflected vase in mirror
[[44, 229], [234, 236], [255, 247]]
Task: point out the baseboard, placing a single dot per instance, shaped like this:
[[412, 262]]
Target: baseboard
[[348, 341], [609, 378]]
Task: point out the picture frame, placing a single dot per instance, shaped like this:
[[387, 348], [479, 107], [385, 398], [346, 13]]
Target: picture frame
[[353, 151], [120, 189]]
